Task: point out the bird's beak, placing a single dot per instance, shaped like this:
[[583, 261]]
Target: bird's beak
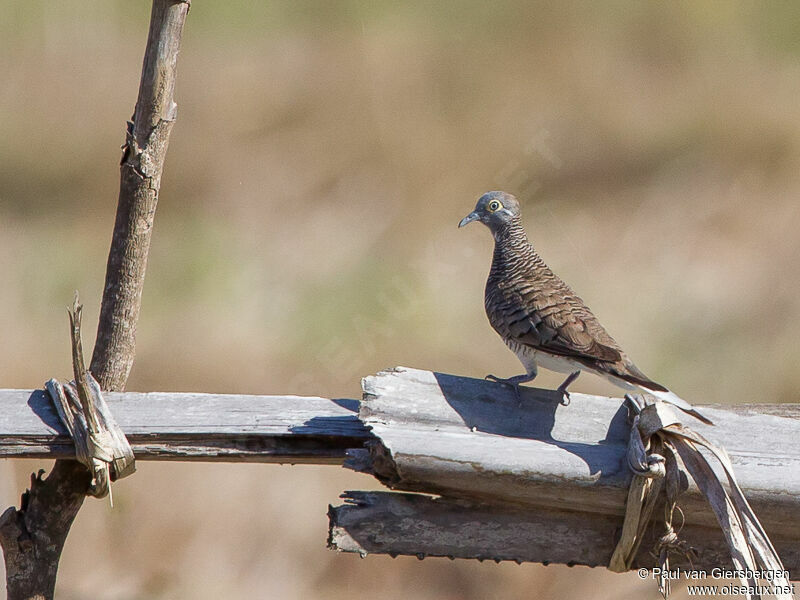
[[473, 216]]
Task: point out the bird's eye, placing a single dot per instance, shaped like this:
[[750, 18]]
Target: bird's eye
[[493, 206]]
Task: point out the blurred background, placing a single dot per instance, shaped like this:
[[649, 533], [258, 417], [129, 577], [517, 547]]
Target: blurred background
[[323, 155]]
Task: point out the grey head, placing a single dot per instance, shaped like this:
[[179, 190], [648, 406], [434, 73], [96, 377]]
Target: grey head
[[496, 210]]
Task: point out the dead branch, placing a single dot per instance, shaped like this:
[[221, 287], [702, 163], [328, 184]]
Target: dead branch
[[33, 536], [140, 180]]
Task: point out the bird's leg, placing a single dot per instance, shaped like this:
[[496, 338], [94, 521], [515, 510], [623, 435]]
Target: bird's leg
[[514, 382], [562, 389]]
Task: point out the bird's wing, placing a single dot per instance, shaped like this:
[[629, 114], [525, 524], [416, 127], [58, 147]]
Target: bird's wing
[[557, 323], [562, 324]]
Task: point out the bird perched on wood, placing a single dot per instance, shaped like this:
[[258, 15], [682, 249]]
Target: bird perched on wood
[[541, 319]]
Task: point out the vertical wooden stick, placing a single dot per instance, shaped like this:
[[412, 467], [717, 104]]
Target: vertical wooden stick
[[140, 179], [33, 536]]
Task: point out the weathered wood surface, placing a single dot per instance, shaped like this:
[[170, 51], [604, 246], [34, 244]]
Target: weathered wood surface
[[470, 438], [189, 426], [522, 481], [417, 525], [33, 536]]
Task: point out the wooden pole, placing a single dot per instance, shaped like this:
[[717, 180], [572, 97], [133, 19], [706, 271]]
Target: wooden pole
[[140, 180], [33, 536]]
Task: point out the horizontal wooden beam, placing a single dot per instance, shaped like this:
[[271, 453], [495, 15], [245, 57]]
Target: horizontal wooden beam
[[193, 426], [474, 440], [512, 473], [421, 526]]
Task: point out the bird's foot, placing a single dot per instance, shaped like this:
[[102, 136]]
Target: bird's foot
[[562, 389], [513, 382]]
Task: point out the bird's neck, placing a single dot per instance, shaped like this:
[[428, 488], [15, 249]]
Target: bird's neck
[[513, 253], [511, 237]]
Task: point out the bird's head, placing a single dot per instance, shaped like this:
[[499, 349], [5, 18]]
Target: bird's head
[[496, 210]]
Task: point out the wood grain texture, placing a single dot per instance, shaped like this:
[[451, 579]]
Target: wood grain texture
[[195, 426], [417, 525], [471, 439], [146, 143], [532, 481]]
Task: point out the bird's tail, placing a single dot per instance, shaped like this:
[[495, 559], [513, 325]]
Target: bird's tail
[[676, 400]]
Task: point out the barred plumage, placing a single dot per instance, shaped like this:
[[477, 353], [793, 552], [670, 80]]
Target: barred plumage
[[540, 318]]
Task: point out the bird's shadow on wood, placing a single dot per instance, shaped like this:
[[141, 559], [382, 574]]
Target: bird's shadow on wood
[[494, 408]]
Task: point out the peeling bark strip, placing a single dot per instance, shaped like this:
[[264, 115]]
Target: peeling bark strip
[[140, 179], [33, 536], [471, 439]]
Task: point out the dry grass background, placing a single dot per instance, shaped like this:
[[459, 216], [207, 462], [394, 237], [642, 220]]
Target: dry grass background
[[323, 154]]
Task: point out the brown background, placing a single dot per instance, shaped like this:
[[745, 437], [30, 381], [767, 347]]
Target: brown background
[[323, 155]]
